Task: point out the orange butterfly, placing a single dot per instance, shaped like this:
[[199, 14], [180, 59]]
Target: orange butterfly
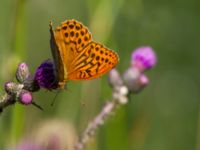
[[76, 55]]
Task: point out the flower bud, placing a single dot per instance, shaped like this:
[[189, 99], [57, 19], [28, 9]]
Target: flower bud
[[25, 97], [135, 80], [143, 58], [22, 72], [114, 78], [12, 88]]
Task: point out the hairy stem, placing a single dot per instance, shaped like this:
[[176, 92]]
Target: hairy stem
[[119, 98]]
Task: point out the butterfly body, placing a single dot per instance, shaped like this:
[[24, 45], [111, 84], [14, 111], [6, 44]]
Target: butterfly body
[[76, 55]]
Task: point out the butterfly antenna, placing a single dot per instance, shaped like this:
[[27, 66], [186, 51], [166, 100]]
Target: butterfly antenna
[[37, 106], [52, 103]]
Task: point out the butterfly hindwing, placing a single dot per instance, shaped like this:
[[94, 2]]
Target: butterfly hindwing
[[93, 62]]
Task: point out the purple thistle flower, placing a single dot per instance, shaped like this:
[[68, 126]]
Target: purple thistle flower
[[45, 75], [143, 58]]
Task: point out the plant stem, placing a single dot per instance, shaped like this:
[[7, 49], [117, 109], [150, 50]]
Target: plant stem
[[119, 98]]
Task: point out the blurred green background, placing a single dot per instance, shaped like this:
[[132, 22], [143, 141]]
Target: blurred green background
[[165, 116]]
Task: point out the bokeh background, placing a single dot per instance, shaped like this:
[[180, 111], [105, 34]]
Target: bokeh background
[[165, 116]]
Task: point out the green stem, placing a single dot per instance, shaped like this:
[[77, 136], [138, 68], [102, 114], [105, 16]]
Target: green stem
[[104, 17], [18, 47]]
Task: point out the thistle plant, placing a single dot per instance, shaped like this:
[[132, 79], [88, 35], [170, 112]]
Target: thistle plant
[[21, 90], [132, 81]]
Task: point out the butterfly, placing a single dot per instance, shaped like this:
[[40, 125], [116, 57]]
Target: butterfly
[[76, 56]]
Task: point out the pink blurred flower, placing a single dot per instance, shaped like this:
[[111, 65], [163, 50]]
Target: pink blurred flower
[[144, 58]]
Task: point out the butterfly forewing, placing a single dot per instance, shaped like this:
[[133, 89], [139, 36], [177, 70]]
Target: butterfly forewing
[[75, 37], [76, 34]]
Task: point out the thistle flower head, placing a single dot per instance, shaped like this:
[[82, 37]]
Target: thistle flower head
[[135, 80], [143, 58], [45, 75]]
